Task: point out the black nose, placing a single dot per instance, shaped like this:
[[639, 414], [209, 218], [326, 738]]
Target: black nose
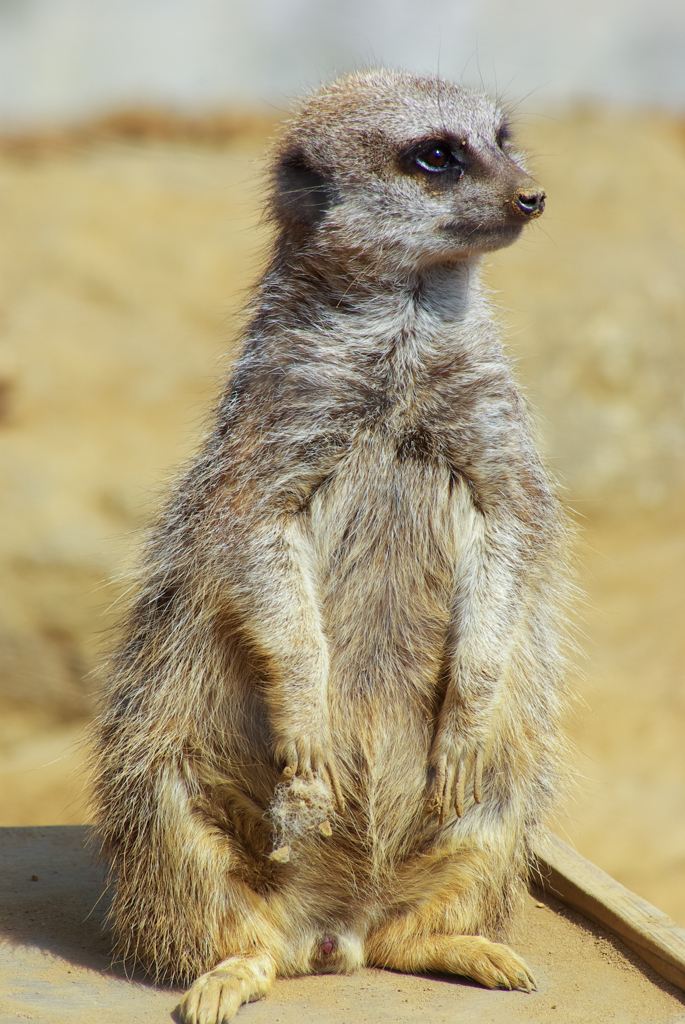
[[531, 203]]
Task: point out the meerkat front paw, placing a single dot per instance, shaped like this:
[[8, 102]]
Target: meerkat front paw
[[216, 997], [452, 765], [306, 758]]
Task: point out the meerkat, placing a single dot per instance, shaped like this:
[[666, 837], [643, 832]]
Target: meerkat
[[331, 734]]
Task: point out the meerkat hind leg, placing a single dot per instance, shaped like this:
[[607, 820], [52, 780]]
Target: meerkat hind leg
[[404, 944], [492, 964], [216, 997]]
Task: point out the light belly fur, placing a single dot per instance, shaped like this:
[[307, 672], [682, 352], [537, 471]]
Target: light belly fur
[[388, 538]]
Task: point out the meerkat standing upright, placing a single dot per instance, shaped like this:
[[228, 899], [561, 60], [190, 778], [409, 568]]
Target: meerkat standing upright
[[332, 733]]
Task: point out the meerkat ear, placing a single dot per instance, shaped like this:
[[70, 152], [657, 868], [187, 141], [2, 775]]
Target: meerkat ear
[[303, 195]]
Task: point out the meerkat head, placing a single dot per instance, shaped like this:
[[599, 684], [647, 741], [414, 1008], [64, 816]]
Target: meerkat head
[[412, 170]]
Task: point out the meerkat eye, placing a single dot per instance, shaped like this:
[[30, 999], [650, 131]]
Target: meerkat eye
[[436, 157]]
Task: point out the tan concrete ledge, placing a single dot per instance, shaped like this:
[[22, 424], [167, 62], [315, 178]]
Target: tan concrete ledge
[[55, 968]]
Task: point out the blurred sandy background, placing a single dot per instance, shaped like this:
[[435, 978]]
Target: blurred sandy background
[[127, 246]]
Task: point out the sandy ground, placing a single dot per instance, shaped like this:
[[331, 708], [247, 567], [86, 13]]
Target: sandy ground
[[123, 267], [54, 965]]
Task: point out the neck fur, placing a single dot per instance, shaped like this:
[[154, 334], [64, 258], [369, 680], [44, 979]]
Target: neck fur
[[303, 289]]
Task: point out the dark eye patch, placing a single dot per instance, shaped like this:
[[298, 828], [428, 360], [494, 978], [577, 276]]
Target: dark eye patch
[[503, 134]]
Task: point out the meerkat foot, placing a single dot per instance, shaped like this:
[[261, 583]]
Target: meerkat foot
[[216, 997], [492, 964], [449, 785]]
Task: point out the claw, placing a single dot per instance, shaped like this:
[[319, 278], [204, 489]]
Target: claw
[[304, 761], [478, 777], [525, 981], [448, 795], [335, 786], [461, 786], [289, 755], [438, 801], [502, 980]]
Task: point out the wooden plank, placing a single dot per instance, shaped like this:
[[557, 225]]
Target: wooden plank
[[578, 882]]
